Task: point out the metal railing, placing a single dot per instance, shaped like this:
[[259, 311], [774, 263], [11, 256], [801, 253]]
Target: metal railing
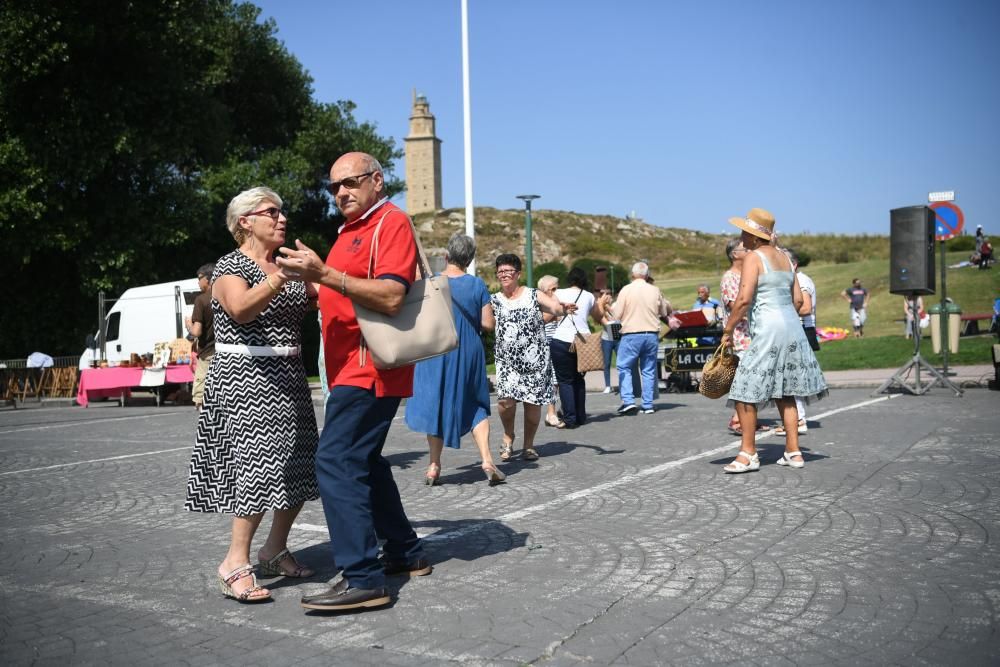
[[57, 362]]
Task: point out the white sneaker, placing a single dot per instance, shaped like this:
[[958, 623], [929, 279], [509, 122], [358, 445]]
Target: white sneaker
[[607, 390]]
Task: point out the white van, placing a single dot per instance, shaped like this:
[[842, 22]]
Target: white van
[[144, 316]]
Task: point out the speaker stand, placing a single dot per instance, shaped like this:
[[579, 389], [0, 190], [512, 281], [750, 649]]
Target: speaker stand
[[899, 378]]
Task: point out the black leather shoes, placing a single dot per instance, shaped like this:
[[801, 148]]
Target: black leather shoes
[[342, 597], [402, 568]]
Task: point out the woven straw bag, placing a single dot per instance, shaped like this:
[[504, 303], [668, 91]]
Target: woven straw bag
[[718, 373]]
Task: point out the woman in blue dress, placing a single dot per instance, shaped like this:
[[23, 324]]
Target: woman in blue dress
[[779, 364], [451, 396]]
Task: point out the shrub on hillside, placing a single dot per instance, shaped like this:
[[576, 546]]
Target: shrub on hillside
[[963, 243]]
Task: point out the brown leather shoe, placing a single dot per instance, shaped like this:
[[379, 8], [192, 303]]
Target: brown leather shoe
[[342, 597]]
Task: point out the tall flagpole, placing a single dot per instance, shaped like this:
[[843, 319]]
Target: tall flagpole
[[470, 219]]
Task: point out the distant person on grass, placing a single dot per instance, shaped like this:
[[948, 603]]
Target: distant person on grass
[[858, 297]]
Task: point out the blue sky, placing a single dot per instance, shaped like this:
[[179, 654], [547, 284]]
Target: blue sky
[[826, 113]]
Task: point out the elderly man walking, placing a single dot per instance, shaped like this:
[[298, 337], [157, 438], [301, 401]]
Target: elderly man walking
[[640, 308], [360, 497]]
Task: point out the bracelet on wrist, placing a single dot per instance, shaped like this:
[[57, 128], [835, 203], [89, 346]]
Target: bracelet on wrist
[[271, 285], [343, 283]]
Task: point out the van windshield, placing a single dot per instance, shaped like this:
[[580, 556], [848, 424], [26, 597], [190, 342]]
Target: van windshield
[[114, 325]]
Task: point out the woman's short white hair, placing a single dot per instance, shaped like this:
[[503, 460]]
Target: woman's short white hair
[[545, 283], [247, 202]]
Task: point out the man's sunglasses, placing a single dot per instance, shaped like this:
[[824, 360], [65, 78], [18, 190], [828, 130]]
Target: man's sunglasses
[[351, 183]]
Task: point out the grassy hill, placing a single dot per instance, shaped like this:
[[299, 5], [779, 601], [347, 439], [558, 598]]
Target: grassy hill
[[681, 259]]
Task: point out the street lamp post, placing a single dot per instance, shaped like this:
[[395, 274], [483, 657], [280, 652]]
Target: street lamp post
[[527, 236]]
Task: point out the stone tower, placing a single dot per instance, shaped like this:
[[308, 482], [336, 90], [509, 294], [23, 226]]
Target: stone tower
[[423, 160]]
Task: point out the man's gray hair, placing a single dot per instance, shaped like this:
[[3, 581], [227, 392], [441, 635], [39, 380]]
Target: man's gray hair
[[640, 269], [247, 202], [792, 257], [206, 270], [545, 283], [461, 250], [705, 286], [372, 165]]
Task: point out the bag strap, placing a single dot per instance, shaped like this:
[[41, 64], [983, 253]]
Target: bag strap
[[578, 332], [422, 264]]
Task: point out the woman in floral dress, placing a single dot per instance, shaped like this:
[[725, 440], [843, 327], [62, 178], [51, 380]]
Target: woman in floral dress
[[729, 288], [523, 365]]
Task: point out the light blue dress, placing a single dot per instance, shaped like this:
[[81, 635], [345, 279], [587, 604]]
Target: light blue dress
[[450, 392], [779, 361]]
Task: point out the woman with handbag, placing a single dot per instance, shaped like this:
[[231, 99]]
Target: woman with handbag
[[454, 396], [572, 331], [523, 364], [779, 364]]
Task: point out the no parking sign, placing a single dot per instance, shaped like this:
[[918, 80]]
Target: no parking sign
[[948, 220]]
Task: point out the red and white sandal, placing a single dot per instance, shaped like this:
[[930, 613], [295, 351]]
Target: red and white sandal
[[247, 596]]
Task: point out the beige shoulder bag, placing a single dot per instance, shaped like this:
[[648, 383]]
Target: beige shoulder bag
[[423, 328]]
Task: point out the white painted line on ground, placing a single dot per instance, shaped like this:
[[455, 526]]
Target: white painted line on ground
[[110, 458], [311, 528], [83, 422]]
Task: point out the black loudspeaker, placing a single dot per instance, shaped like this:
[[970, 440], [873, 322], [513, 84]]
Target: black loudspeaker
[[911, 250]]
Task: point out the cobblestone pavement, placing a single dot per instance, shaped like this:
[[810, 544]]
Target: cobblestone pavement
[[624, 544]]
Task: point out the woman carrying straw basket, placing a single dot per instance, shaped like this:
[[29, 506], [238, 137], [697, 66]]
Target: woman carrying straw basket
[[779, 364]]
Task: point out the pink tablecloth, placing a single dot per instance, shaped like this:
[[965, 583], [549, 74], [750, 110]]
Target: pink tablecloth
[[97, 382]]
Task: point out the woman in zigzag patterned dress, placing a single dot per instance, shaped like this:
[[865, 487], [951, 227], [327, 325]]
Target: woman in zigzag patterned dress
[[256, 440]]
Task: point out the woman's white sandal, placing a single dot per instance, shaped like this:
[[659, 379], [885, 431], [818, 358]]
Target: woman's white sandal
[[737, 466], [786, 460]]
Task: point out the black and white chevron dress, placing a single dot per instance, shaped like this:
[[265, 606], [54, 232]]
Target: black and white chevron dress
[[255, 445]]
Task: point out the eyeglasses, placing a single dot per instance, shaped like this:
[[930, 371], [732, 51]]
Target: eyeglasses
[[506, 272], [351, 183], [271, 211]]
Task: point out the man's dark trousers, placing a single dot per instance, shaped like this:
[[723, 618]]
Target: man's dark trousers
[[360, 497]]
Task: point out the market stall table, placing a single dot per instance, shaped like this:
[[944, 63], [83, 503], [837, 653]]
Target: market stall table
[[116, 382]]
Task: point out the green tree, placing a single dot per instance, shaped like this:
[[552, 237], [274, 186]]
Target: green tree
[[553, 268], [125, 129]]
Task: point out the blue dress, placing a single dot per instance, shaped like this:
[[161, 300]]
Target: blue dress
[[450, 392], [779, 361]]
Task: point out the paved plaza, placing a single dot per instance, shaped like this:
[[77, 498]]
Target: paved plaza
[[625, 544]]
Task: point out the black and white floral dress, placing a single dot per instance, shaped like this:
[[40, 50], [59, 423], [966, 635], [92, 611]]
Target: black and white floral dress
[[256, 439], [523, 364]]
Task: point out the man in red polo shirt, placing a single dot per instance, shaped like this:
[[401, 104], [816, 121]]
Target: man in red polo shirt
[[360, 497]]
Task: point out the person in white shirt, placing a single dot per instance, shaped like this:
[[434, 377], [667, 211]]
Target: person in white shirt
[[807, 315], [572, 387]]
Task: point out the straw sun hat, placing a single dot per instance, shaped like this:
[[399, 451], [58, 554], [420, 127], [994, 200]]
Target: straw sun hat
[[757, 222]]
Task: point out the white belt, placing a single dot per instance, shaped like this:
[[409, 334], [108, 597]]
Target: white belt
[[259, 350]]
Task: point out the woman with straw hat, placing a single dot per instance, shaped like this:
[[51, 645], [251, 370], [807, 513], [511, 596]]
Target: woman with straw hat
[[779, 364]]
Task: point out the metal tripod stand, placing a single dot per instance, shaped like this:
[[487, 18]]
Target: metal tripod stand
[[916, 363]]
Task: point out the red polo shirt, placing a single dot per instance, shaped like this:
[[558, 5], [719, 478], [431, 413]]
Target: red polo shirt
[[397, 260]]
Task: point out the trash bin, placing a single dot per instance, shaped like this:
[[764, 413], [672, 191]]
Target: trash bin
[[954, 326], [954, 321]]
